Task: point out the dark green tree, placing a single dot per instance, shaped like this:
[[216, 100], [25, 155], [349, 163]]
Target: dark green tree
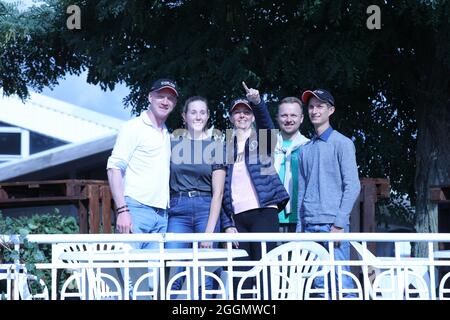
[[31, 52], [391, 85]]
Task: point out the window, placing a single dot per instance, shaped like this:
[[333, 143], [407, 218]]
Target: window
[[40, 142], [14, 143], [10, 143]]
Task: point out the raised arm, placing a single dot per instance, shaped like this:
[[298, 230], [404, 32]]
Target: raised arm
[[262, 116], [264, 123]]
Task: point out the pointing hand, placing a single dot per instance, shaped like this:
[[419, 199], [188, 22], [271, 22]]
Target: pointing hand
[[252, 94]]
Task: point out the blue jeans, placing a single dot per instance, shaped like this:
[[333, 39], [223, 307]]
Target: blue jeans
[[189, 215], [341, 253], [146, 219]]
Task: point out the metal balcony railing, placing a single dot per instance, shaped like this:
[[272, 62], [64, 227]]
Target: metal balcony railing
[[302, 266]]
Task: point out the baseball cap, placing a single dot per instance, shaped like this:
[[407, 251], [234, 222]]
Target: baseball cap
[[164, 84], [320, 94], [240, 101]]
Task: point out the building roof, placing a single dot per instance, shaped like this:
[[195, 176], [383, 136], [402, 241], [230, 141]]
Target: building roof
[[87, 132], [55, 118], [56, 156]]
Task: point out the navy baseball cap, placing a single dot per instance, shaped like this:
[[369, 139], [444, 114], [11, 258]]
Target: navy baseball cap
[[240, 101], [321, 94], [164, 84]]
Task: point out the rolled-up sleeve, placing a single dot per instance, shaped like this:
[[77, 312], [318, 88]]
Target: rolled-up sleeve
[[123, 149]]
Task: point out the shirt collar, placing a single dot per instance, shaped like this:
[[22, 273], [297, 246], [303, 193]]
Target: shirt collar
[[146, 119], [325, 135]]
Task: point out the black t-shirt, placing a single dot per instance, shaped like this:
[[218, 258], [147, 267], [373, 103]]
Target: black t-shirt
[[192, 163]]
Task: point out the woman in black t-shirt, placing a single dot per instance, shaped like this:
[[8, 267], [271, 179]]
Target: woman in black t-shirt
[[197, 175]]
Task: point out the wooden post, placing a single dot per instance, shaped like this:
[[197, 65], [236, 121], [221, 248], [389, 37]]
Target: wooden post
[[3, 194], [362, 217], [372, 189], [93, 194], [368, 218], [439, 207], [355, 226], [369, 200], [73, 188], [105, 195], [82, 215]]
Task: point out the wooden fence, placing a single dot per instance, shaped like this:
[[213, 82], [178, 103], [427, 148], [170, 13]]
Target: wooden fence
[[92, 199]]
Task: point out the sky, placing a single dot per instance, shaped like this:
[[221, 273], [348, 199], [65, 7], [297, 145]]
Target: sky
[[74, 89]]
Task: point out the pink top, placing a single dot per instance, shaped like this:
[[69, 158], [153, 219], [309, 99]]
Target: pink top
[[243, 192]]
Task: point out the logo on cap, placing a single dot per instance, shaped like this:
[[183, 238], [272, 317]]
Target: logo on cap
[[164, 84], [320, 94], [168, 83]]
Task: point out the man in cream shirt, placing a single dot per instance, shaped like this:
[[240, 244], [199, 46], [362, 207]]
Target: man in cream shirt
[[138, 168]]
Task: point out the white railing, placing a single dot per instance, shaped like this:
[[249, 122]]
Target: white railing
[[106, 266]]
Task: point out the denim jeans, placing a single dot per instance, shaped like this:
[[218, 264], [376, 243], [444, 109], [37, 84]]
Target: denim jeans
[[189, 215], [341, 253], [144, 219]]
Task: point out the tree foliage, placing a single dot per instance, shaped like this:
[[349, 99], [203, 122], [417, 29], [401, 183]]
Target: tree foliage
[[391, 85], [32, 54]]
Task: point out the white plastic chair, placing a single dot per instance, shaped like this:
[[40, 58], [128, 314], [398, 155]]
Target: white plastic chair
[[444, 292], [92, 283], [6, 275], [187, 290], [393, 282], [23, 281], [293, 279]]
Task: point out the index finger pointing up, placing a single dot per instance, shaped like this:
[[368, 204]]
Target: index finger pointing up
[[247, 90]]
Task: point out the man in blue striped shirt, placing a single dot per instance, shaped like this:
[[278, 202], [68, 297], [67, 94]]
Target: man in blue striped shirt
[[328, 178]]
